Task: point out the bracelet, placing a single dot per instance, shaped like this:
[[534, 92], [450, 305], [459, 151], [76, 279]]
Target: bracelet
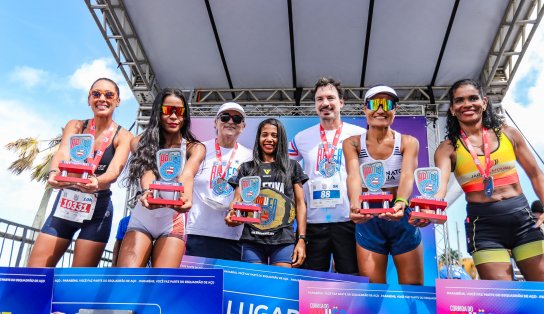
[[401, 199], [51, 171]]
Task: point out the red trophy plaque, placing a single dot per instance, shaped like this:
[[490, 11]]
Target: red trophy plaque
[[247, 210], [168, 190], [373, 174], [77, 170], [426, 206]]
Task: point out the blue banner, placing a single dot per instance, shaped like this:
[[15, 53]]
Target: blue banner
[[138, 290], [26, 290], [255, 288]]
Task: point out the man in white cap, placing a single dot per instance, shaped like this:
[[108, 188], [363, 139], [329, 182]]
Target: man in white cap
[[329, 231], [208, 235]]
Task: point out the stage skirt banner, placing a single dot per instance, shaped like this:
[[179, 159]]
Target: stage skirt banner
[[347, 297], [259, 289], [137, 290], [489, 297], [26, 290]]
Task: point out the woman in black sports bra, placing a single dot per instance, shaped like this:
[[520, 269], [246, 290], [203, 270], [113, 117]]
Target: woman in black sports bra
[[85, 206]]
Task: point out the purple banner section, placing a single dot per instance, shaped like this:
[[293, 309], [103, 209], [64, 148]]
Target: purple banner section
[[204, 129], [347, 298], [489, 297]]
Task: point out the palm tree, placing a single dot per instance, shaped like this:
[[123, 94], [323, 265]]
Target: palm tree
[[28, 149], [452, 259]]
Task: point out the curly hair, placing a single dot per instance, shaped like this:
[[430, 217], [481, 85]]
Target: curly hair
[[489, 118], [152, 139], [281, 160]]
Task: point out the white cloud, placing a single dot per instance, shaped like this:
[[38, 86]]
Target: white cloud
[[87, 73], [528, 115], [29, 77]]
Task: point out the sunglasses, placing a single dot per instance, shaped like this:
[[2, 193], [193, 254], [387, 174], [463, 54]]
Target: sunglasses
[[97, 93], [386, 104], [168, 110], [225, 117]]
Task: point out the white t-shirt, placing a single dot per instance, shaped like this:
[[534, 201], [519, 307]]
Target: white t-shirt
[[323, 183], [211, 205]]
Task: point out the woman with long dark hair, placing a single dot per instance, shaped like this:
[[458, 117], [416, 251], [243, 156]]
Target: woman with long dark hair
[[482, 152], [273, 241], [111, 148], [153, 230]]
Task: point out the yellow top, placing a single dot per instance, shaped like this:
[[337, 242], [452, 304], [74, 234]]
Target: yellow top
[[503, 166]]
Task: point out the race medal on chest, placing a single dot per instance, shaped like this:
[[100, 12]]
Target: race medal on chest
[[488, 186], [327, 168], [219, 186]]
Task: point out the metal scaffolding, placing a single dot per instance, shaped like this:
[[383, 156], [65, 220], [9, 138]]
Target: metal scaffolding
[[511, 41]]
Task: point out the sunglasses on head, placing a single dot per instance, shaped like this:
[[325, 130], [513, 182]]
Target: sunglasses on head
[[97, 93], [225, 117], [168, 110], [386, 104]]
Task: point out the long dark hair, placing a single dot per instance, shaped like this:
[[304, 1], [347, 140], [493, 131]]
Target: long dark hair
[[489, 118], [281, 160], [153, 139]]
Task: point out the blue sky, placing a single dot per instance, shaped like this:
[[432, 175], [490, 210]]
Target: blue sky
[[52, 52]]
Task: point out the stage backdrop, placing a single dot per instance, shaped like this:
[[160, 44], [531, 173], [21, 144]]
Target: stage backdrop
[[204, 130]]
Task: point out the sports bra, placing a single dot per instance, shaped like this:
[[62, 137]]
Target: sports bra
[[108, 153], [503, 166]]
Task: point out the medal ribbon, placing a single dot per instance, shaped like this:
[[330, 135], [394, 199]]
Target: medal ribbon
[[326, 152], [220, 159], [485, 173], [102, 147]]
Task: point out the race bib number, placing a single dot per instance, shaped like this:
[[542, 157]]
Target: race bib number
[[325, 193], [75, 206]]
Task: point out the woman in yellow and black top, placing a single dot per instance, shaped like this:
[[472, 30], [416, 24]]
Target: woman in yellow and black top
[[482, 153]]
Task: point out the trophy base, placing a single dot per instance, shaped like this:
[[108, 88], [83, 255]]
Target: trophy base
[[372, 198], [170, 187], [60, 178], [376, 211], [245, 219], [434, 218], [424, 203], [76, 168], [165, 202], [246, 208]]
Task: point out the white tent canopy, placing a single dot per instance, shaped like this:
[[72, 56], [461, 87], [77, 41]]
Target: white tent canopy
[[269, 53]]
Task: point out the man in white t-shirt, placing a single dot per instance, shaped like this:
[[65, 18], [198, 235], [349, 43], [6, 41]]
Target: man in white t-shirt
[[207, 233], [329, 231]]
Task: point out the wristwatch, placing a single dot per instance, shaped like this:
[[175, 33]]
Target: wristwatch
[[302, 237]]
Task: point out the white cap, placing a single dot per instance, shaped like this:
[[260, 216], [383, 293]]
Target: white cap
[[381, 89], [231, 106]]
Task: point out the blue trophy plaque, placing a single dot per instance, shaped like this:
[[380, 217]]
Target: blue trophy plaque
[[77, 170], [373, 174], [167, 190], [427, 206], [247, 210]]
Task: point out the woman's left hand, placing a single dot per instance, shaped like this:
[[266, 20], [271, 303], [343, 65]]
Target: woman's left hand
[[299, 254], [187, 204], [398, 207], [91, 187]]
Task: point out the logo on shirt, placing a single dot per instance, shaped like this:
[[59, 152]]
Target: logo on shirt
[[218, 185]]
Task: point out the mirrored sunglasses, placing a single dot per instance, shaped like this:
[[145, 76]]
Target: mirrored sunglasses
[[168, 110], [386, 104], [97, 93]]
